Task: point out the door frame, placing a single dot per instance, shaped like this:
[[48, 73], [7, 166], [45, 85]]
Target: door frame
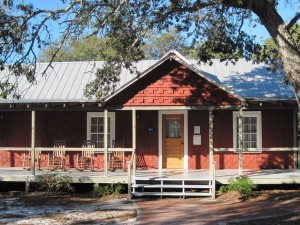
[[185, 137]]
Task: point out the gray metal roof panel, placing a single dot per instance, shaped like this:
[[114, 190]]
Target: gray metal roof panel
[[249, 80]]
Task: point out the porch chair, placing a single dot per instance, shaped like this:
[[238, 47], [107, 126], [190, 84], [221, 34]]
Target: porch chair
[[57, 157], [86, 159], [27, 157], [117, 158]]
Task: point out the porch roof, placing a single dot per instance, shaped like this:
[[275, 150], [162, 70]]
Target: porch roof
[[65, 82]]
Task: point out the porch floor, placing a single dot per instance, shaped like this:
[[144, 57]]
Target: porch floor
[[271, 176]]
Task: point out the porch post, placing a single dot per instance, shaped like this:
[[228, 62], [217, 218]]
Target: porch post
[[211, 140], [134, 139], [240, 141], [33, 142], [105, 142]]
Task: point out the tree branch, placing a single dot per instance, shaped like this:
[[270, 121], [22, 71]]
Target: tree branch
[[293, 21]]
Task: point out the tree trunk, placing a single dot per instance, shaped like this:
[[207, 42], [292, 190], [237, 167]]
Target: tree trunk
[[290, 54]]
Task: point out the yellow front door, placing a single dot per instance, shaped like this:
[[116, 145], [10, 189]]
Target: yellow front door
[[173, 141]]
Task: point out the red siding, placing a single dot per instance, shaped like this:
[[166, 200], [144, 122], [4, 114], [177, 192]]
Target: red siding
[[124, 127], [173, 84], [198, 154], [147, 144]]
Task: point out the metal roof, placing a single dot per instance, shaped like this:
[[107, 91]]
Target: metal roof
[[65, 82]]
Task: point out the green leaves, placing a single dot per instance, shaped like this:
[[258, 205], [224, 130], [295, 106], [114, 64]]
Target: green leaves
[[53, 182], [243, 185], [105, 82], [109, 189]]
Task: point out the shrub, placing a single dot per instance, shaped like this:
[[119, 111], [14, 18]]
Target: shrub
[[54, 183], [243, 185], [109, 189]]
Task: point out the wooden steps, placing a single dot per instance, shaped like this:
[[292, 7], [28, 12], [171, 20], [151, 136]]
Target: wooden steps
[[172, 187], [139, 194]]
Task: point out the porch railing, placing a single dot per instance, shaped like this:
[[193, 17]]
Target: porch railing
[[69, 149]]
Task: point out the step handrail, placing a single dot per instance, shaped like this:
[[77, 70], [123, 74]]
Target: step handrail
[[131, 166]]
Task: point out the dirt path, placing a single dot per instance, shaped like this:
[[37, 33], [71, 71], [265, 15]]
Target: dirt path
[[223, 211], [64, 208]]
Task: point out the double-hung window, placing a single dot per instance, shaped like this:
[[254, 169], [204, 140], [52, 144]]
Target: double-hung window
[[251, 129], [95, 128]]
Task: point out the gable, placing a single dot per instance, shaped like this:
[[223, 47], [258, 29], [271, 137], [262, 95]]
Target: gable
[[173, 84]]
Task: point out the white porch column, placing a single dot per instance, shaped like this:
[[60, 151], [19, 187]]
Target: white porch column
[[33, 142], [134, 139], [240, 141], [211, 140], [105, 142]]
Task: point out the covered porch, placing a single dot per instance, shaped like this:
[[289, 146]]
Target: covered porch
[[142, 130]]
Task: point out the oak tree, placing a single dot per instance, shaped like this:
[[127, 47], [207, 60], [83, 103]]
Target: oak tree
[[216, 25]]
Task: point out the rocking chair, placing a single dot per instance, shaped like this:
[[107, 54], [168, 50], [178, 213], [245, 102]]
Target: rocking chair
[[116, 159], [27, 157], [57, 158], [86, 159]]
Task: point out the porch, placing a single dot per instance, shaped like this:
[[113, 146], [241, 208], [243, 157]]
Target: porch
[[263, 177]]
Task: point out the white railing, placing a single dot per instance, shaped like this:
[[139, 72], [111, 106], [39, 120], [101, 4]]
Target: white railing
[[257, 150], [131, 169]]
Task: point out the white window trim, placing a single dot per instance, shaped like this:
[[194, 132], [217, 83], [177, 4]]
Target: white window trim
[[112, 116], [256, 114]]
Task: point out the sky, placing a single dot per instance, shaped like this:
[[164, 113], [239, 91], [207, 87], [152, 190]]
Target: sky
[[286, 10]]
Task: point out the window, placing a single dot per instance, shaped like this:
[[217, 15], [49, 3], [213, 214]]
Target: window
[[95, 128], [173, 128], [251, 129]]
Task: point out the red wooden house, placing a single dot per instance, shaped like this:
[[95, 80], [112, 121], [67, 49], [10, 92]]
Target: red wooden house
[[177, 114]]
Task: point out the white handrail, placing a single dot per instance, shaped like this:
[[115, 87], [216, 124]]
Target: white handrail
[[70, 149]]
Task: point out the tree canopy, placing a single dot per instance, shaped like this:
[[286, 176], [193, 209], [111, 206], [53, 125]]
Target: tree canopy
[[74, 50], [215, 25], [88, 49]]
